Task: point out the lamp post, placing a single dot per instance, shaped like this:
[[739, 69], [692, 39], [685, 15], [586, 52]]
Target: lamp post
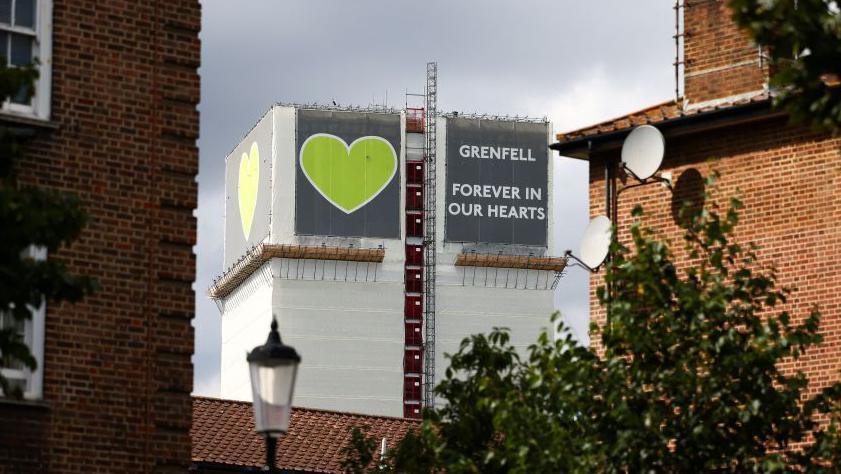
[[273, 367]]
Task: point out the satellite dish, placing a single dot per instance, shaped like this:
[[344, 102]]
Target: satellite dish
[[642, 152], [596, 242]]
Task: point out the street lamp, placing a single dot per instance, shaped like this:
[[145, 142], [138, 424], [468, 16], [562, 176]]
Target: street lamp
[[273, 368]]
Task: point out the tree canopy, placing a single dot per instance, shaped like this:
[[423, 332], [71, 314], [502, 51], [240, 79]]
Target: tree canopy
[[803, 41], [688, 380]]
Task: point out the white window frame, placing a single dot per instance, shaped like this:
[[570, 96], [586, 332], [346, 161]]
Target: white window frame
[[34, 337], [43, 50]]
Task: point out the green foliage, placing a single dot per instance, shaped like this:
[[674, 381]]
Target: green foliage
[[689, 379], [30, 216], [360, 451], [803, 38]]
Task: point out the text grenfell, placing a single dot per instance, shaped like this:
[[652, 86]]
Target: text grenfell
[[496, 153]]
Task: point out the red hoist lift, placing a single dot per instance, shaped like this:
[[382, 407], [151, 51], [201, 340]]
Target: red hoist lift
[[413, 311]]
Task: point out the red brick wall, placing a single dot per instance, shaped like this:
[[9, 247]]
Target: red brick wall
[[790, 183], [720, 59], [23, 429], [118, 371]]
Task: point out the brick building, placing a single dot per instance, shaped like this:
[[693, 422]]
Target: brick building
[[789, 176], [114, 121]]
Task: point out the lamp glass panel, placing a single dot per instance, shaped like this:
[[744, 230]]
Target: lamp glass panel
[[272, 388]]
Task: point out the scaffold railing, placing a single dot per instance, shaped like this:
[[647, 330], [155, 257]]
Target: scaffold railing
[[430, 149]]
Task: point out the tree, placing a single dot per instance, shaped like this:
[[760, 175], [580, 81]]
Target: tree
[[30, 217], [688, 381], [803, 41]]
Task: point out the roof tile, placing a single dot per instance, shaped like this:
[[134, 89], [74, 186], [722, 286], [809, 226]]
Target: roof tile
[[223, 434], [653, 115]]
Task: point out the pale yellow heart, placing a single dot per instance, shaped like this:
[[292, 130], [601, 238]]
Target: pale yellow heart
[[249, 177]]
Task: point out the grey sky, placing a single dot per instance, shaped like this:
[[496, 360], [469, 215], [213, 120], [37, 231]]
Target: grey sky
[[577, 62]]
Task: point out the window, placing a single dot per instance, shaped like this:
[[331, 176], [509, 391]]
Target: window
[[413, 309], [414, 172], [414, 198], [411, 388], [414, 280], [414, 336], [414, 254], [414, 225], [412, 361], [32, 331], [26, 34]]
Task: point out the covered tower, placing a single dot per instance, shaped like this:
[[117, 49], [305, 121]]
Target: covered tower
[[335, 224]]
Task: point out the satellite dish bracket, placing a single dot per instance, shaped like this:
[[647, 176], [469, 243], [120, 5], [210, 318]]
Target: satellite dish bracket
[[642, 182], [577, 261]]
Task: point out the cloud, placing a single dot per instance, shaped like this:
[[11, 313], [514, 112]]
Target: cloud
[[207, 382], [593, 97]]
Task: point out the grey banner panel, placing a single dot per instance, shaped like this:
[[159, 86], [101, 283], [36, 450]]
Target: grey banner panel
[[347, 178], [497, 182], [248, 191]]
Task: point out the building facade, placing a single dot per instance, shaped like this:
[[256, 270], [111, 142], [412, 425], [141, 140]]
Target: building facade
[[328, 214], [787, 176], [114, 121]]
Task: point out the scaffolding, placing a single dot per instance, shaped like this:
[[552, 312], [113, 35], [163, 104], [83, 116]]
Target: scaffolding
[[413, 270], [524, 272], [306, 259], [679, 37], [430, 149]]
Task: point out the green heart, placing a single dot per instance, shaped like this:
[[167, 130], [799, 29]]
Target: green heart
[[249, 177], [348, 176]]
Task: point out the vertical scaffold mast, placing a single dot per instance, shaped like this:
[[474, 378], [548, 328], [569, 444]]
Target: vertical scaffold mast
[[430, 149]]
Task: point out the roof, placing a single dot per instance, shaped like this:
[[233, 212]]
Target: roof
[[655, 114], [223, 436]]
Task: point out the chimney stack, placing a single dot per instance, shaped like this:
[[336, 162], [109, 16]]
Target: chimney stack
[[721, 61]]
